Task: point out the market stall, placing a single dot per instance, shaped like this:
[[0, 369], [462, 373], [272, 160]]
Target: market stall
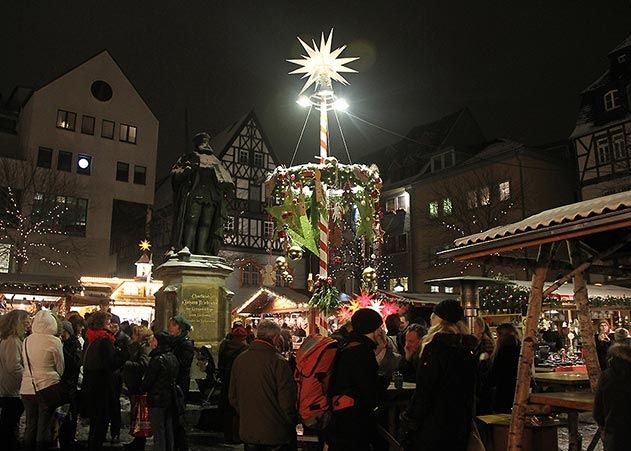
[[286, 305]]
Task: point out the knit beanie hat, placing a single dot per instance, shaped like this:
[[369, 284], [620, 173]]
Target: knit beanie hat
[[620, 334], [239, 332], [67, 326], [365, 321], [185, 326], [449, 310]]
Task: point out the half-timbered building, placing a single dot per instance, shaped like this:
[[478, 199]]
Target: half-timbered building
[[602, 136]]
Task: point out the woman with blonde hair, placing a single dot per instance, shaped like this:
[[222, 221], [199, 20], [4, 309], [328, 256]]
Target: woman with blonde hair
[[13, 328], [445, 384]]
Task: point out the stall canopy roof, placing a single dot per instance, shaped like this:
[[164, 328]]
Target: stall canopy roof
[[576, 220], [274, 300]]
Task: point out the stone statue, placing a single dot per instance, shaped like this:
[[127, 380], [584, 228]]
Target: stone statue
[[199, 181]]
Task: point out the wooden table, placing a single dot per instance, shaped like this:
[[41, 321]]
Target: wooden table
[[565, 378], [571, 403], [544, 369]]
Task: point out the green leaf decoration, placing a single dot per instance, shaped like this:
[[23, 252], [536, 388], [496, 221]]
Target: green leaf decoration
[[326, 298], [305, 237]]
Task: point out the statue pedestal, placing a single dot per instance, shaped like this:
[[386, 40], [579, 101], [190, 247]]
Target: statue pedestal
[[195, 286]]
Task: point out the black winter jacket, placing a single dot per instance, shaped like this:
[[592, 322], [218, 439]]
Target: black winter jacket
[[440, 413], [72, 364], [136, 366], [159, 380], [184, 350], [613, 398], [503, 376], [98, 378]]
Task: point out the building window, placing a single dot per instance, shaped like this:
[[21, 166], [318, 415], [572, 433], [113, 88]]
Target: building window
[[107, 129], [447, 207], [250, 275], [228, 226], [66, 120], [140, 175], [45, 157], [64, 161], [122, 171], [622, 58], [485, 196], [243, 188], [398, 284], [398, 203], [472, 199], [127, 134], [504, 189], [84, 164], [255, 228], [87, 125], [244, 156], [434, 289], [602, 150], [449, 290], [612, 100], [61, 214], [433, 209], [268, 230], [258, 159], [619, 147], [5, 257]]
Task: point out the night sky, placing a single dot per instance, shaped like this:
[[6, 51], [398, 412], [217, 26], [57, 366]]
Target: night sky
[[519, 66]]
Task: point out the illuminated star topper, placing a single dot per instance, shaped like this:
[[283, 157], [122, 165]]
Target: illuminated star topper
[[144, 245], [322, 65]]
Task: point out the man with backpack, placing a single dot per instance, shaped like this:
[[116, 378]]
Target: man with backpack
[[355, 388]]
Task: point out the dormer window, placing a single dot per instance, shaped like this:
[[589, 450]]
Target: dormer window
[[612, 100]]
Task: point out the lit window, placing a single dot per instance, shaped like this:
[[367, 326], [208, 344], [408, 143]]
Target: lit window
[[122, 171], [45, 157], [391, 205], [140, 175], [612, 100], [243, 188], [434, 289], [433, 209], [447, 207], [66, 120], [619, 147], [485, 196], [268, 230], [258, 159], [402, 203], [244, 156], [107, 129], [87, 125], [504, 190], [84, 164], [127, 133], [398, 284], [602, 150], [472, 199], [449, 289], [250, 275], [61, 214], [64, 161]]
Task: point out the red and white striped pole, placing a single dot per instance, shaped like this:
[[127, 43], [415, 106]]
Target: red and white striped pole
[[323, 222]]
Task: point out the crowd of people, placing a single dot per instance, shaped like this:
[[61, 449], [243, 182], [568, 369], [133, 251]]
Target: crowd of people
[[55, 369]]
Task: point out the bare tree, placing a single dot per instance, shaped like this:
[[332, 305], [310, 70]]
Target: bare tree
[[40, 215]]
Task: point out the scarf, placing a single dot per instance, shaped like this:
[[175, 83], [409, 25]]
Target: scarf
[[94, 334]]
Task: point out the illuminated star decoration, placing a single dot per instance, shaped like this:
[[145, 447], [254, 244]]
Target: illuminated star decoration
[[144, 245], [322, 64], [364, 299]]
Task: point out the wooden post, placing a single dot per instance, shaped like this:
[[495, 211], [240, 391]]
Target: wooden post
[[524, 370], [585, 321]]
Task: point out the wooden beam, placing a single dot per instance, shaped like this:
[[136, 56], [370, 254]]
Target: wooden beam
[[520, 262], [585, 321], [524, 370]]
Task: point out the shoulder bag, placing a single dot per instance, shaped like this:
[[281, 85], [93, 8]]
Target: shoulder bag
[[54, 395]]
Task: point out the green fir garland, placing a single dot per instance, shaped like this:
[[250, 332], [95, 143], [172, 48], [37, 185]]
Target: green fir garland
[[325, 298]]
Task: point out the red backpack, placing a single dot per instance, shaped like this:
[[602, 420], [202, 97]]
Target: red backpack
[[314, 363]]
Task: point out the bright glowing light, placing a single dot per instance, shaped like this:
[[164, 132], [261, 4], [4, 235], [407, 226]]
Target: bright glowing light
[[399, 287], [83, 163], [144, 245], [303, 101], [340, 104], [321, 64]]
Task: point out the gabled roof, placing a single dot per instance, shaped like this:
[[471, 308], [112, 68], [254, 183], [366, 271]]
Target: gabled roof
[[224, 139], [623, 45]]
